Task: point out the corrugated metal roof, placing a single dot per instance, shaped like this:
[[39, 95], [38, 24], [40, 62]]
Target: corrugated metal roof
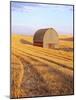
[[38, 37]]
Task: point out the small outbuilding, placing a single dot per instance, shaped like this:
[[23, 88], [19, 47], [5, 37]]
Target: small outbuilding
[[47, 38]]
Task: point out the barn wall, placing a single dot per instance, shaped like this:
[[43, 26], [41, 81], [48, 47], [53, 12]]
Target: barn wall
[[40, 44], [50, 37]]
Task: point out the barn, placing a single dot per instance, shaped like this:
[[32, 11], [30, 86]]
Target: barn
[[47, 38]]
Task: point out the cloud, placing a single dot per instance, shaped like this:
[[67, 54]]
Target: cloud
[[23, 7], [25, 4], [27, 7]]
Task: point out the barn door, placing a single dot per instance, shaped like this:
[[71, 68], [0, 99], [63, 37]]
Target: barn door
[[51, 45]]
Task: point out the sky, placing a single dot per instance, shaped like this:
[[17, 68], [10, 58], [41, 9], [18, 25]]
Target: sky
[[27, 18]]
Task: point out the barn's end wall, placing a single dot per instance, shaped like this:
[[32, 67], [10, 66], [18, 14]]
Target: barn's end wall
[[50, 38]]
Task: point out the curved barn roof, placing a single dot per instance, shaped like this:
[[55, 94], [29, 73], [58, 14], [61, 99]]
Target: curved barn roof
[[39, 35]]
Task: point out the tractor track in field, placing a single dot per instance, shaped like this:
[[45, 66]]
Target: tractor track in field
[[53, 55], [33, 81], [49, 60], [38, 59], [67, 77]]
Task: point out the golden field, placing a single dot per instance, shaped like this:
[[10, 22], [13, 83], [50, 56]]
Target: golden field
[[37, 71]]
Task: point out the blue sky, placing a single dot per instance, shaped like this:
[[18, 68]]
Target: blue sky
[[26, 18]]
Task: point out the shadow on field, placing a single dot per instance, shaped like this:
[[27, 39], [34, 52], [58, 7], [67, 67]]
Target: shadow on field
[[64, 49], [25, 42]]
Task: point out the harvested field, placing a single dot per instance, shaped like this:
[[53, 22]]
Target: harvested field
[[38, 71]]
